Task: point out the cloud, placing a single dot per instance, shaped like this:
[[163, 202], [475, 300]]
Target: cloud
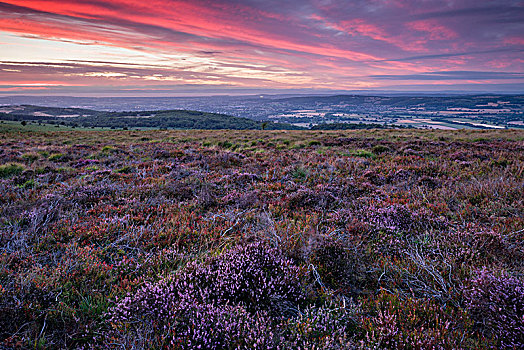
[[306, 43], [500, 11], [457, 54], [454, 75]]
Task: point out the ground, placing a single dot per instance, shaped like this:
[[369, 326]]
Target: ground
[[372, 238]]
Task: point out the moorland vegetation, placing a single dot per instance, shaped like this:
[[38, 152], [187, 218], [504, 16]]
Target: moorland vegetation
[[366, 239]]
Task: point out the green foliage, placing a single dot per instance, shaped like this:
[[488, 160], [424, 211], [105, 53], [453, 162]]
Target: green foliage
[[11, 169], [225, 144], [30, 157], [363, 153], [162, 119], [56, 157], [125, 170], [300, 173], [351, 126], [379, 149], [28, 184], [108, 150]]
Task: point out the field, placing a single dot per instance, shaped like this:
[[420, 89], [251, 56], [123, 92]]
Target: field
[[367, 239]]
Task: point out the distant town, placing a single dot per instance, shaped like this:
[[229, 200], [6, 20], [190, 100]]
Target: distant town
[[425, 112]]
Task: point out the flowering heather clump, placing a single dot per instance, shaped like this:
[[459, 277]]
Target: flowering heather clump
[[242, 200], [399, 218], [484, 247], [256, 276], [192, 325], [415, 324], [221, 327], [496, 304], [242, 285], [329, 326], [392, 218]]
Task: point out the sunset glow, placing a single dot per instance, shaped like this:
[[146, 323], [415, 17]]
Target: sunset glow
[[171, 47]]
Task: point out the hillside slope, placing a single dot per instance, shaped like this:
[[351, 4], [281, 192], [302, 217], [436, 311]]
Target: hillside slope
[[161, 119]]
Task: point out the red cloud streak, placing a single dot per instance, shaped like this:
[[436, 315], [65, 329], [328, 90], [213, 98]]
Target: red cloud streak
[[312, 44]]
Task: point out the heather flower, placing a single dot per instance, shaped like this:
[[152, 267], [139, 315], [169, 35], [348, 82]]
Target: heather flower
[[330, 326], [399, 218], [409, 323], [214, 303], [496, 304]]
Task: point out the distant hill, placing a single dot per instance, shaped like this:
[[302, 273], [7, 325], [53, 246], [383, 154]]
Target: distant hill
[[461, 101], [161, 119]]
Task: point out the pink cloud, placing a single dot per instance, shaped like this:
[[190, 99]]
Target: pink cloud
[[302, 42], [433, 29]]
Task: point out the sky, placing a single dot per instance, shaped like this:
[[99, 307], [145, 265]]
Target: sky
[[164, 47]]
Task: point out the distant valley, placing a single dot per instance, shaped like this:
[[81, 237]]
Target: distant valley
[[278, 111]]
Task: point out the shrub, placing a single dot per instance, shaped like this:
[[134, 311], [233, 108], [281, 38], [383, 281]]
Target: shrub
[[410, 323], [206, 197], [392, 218], [306, 198], [125, 170], [242, 200], [300, 173], [239, 286], [221, 327], [480, 247], [341, 267], [225, 144], [85, 162], [378, 149], [108, 149], [496, 304], [193, 325], [330, 326], [177, 190], [399, 218]]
